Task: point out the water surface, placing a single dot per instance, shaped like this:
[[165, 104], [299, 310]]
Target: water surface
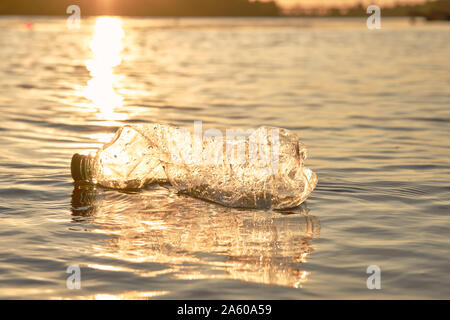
[[372, 106]]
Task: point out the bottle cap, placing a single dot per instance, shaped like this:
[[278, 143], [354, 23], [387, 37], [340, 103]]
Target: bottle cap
[[81, 167]]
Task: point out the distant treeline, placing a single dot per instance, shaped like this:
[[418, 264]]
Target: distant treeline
[[142, 7], [432, 10]]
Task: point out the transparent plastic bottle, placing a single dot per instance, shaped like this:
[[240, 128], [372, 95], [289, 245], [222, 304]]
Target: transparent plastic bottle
[[261, 169]]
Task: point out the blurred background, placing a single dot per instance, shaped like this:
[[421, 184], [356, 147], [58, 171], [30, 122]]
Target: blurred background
[[373, 107], [431, 9]]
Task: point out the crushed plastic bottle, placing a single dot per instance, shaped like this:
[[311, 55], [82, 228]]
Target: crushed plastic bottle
[[259, 169]]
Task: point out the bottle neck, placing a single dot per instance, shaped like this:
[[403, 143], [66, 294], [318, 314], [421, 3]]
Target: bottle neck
[[82, 167]]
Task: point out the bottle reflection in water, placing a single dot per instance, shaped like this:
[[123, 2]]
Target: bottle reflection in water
[[199, 240]]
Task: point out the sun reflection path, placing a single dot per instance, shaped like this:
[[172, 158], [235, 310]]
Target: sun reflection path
[[106, 46]]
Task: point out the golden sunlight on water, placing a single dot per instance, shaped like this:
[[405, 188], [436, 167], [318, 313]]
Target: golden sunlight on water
[[372, 107], [106, 46], [127, 295]]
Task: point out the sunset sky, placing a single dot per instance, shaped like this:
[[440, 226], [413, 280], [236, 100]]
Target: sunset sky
[[307, 3]]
